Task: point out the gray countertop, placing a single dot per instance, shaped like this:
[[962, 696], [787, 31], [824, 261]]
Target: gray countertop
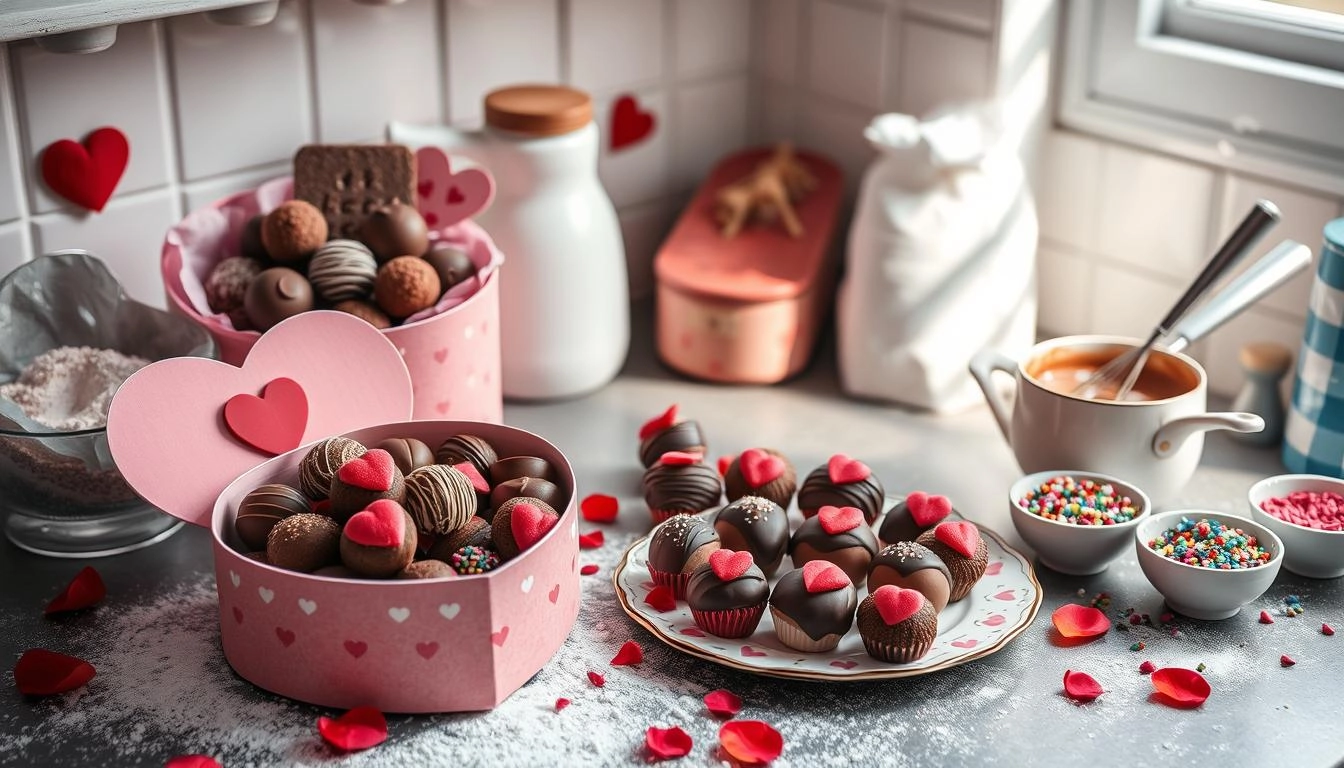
[[163, 686]]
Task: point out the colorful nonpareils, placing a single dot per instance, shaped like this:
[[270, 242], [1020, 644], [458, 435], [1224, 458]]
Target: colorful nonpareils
[[1208, 543], [1079, 501]]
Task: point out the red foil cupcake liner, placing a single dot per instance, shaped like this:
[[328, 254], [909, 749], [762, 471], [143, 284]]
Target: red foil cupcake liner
[[896, 653], [734, 623], [673, 581]]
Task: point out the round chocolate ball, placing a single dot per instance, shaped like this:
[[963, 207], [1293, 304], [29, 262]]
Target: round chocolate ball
[[262, 508], [395, 230], [371, 476], [293, 231], [249, 241], [275, 294], [304, 542], [381, 546], [521, 466], [226, 287], [342, 270], [427, 569], [452, 264], [476, 450], [535, 487], [502, 529], [408, 453], [475, 533], [405, 285], [366, 311]]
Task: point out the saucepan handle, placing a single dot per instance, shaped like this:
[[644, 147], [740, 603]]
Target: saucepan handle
[[983, 365], [1173, 434]]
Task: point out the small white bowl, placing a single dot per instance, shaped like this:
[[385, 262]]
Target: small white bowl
[[1309, 552], [1206, 593], [1078, 550]]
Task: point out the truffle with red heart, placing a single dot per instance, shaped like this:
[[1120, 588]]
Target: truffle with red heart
[[836, 535], [813, 607], [727, 594], [519, 523], [897, 625], [379, 540], [761, 472], [371, 476], [842, 482], [959, 545], [669, 432], [914, 515]]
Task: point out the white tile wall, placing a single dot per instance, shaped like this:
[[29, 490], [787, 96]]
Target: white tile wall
[[198, 194], [1069, 196], [643, 227], [837, 131], [845, 52], [1125, 301], [941, 66], [1223, 346], [615, 43], [1065, 307], [976, 15], [13, 248], [497, 43], [776, 47], [712, 123], [636, 173], [775, 112], [712, 36]]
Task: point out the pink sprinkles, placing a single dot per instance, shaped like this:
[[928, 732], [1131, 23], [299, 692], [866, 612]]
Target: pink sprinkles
[[1309, 509]]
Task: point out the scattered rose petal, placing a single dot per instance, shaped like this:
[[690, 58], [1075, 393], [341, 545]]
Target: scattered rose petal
[[1265, 618], [596, 679], [661, 599], [1326, 629], [658, 423], [40, 672], [591, 540], [360, 728], [667, 742], [630, 653], [561, 703], [1147, 667], [192, 761], [1081, 686], [1286, 660], [751, 741], [724, 463], [83, 591], [588, 570], [1183, 687], [1074, 621], [599, 508], [723, 703]]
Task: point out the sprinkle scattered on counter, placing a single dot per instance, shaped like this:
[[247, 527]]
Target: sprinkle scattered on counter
[[1147, 668], [1101, 601], [1309, 509], [1326, 629], [1294, 606], [1139, 646], [1265, 618], [1201, 667], [1286, 660], [1206, 543], [1065, 499]]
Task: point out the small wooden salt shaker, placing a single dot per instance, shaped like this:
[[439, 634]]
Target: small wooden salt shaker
[[1265, 364]]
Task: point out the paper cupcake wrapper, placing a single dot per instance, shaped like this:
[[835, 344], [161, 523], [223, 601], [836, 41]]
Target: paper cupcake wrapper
[[896, 653], [794, 637], [673, 581], [731, 624]]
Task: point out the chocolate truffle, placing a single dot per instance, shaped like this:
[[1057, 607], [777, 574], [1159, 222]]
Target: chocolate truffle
[[319, 465], [665, 433], [258, 556], [914, 515], [369, 477], [519, 523], [897, 625], [275, 294], [680, 484], [727, 594], [249, 240], [293, 231], [761, 472], [408, 453], [427, 569], [262, 508], [379, 540], [521, 466], [473, 533], [405, 285], [336, 572], [459, 448], [842, 482], [366, 311], [304, 542], [837, 535], [757, 525], [452, 264], [439, 498], [813, 607], [393, 230], [226, 287], [909, 565], [678, 546], [342, 269], [527, 486], [959, 545]]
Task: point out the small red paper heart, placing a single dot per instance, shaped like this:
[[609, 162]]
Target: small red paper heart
[[455, 196], [895, 605], [372, 471], [663, 743], [599, 508], [994, 621], [561, 703], [658, 423], [842, 469], [285, 636], [529, 523], [360, 728], [86, 589], [629, 124], [1286, 660], [823, 576], [729, 565], [693, 632], [1081, 686], [272, 423], [724, 463], [499, 637], [1147, 667], [836, 520], [844, 664], [87, 174], [356, 648], [1183, 688], [40, 672], [554, 594], [381, 524], [192, 761], [749, 652], [723, 703], [473, 474], [424, 189], [661, 599], [960, 535], [679, 458], [759, 467], [427, 650], [591, 540], [1075, 621], [630, 653], [598, 680], [588, 570], [994, 569], [751, 741], [926, 510]]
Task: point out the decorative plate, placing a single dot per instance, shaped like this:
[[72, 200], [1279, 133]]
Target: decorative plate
[[1000, 606]]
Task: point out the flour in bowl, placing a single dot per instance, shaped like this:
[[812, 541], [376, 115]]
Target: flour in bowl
[[71, 388]]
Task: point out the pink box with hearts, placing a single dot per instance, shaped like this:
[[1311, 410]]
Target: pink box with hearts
[[452, 350], [440, 645]]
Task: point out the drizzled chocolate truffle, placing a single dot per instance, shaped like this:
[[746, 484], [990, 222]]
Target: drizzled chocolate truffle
[[459, 448], [909, 565], [262, 508], [680, 484], [678, 546], [439, 498], [842, 482], [837, 535], [666, 433], [320, 464], [813, 607], [756, 525], [761, 472], [408, 453]]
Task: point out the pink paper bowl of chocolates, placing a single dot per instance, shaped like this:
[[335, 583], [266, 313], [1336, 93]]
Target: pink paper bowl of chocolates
[[1078, 522], [1207, 564], [1307, 512]]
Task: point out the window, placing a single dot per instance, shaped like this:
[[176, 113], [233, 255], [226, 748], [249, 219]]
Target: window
[[1253, 85]]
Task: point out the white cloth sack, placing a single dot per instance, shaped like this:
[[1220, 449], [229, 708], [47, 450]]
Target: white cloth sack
[[940, 263]]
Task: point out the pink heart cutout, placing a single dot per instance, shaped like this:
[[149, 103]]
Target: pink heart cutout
[[994, 621], [529, 523], [964, 643], [823, 576], [994, 569], [926, 510], [759, 467], [427, 650], [445, 198], [960, 535], [842, 469], [748, 651], [356, 648], [372, 470], [1006, 595], [835, 520], [693, 632], [381, 524], [895, 605], [729, 565], [844, 664], [272, 423]]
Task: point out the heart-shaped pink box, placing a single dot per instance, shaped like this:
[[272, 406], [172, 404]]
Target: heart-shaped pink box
[[439, 645]]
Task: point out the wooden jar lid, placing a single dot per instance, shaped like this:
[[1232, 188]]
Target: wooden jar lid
[[538, 110]]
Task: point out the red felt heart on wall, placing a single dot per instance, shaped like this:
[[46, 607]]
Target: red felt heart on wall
[[926, 510], [372, 471], [529, 523], [381, 524], [842, 469], [759, 467], [835, 520], [629, 123], [272, 423], [728, 565], [895, 605], [960, 535], [823, 576], [87, 174]]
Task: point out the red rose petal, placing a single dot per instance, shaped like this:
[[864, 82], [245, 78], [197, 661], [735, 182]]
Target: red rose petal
[[599, 508], [1073, 621], [723, 703], [561, 703], [1081, 686], [1265, 618], [360, 728], [1147, 667], [658, 423], [591, 540], [1286, 660], [40, 672], [85, 590], [630, 653], [679, 458], [724, 463], [751, 741], [661, 599], [192, 761], [474, 475], [588, 570], [596, 679], [1181, 687], [663, 743], [1326, 629]]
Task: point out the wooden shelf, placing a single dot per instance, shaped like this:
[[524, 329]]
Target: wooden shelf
[[23, 19]]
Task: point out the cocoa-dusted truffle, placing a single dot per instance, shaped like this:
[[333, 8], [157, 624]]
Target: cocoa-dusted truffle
[[909, 565], [366, 311], [519, 523], [837, 535], [293, 231], [680, 484], [367, 478], [473, 533], [319, 465], [757, 525], [379, 540], [897, 625], [439, 498], [408, 453], [342, 269], [262, 508], [249, 240], [427, 569], [405, 285], [226, 287], [527, 486], [668, 432], [521, 466], [393, 230], [842, 482], [959, 545], [275, 294], [472, 448], [304, 542], [452, 264], [761, 472]]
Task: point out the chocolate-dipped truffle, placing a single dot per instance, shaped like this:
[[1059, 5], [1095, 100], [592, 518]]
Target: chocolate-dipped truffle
[[519, 523], [367, 478], [757, 525], [275, 294], [527, 486], [439, 498], [366, 311], [909, 565], [897, 625], [405, 285], [304, 542], [473, 533], [293, 231], [249, 240], [678, 546], [319, 465], [408, 453], [427, 569], [727, 594], [471, 448], [262, 508], [912, 516], [452, 264], [680, 484], [959, 545], [813, 607], [379, 540], [521, 466], [393, 230], [666, 432], [341, 270], [837, 535], [226, 287], [761, 472], [842, 482]]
